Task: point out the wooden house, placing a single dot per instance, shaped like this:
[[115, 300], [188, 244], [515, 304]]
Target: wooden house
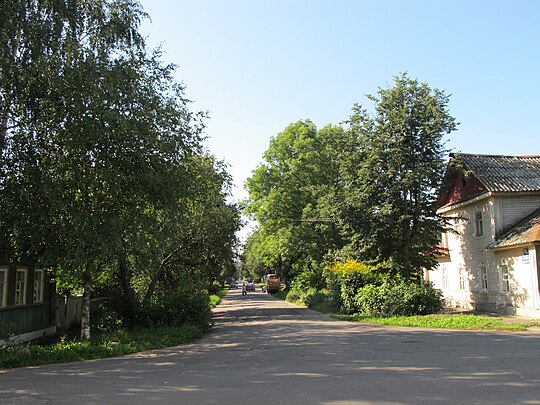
[[490, 258], [27, 302]]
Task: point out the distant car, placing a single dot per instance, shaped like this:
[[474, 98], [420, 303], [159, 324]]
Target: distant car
[[250, 286], [233, 284]]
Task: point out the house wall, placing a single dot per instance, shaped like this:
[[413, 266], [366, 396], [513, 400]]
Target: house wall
[[469, 252], [523, 297], [509, 209], [32, 317]]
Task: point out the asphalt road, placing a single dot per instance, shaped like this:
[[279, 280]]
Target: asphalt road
[[265, 351]]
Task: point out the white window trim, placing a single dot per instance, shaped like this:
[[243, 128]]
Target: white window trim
[[476, 227], [3, 300], [485, 271], [445, 283], [461, 273], [38, 299], [505, 284], [25, 282]]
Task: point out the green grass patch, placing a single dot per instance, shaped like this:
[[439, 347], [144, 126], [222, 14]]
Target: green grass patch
[[434, 321], [215, 299], [445, 321], [100, 346]]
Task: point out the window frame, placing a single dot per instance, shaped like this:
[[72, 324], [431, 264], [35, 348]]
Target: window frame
[[445, 283], [35, 298], [20, 287], [461, 273], [3, 287], [505, 281], [479, 223], [484, 283]]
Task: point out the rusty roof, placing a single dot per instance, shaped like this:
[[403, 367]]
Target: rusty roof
[[499, 173], [525, 231]]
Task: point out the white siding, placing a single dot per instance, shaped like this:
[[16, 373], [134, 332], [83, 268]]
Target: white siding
[[511, 209], [470, 252]]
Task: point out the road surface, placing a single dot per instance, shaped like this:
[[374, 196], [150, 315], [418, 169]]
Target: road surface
[[266, 351]]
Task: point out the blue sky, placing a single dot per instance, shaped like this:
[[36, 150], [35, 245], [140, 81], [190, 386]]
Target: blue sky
[[257, 66]]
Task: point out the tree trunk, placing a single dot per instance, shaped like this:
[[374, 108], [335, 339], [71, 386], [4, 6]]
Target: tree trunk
[[85, 312], [128, 301], [4, 114]]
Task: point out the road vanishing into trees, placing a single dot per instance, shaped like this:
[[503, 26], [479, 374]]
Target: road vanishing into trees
[[266, 351]]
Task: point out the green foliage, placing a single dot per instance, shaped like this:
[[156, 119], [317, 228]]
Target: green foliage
[[289, 197], [446, 321], [365, 192], [391, 207], [351, 276], [309, 276], [183, 306], [114, 343], [396, 299], [103, 177]]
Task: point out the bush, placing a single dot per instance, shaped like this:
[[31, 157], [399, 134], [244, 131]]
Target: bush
[[215, 288], [351, 276], [179, 307], [397, 299], [311, 276]]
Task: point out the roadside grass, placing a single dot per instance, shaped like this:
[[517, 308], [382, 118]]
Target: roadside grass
[[459, 321], [215, 299], [445, 321], [110, 344], [101, 345]]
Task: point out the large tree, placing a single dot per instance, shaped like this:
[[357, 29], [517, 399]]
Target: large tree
[[289, 197], [98, 146], [390, 208]]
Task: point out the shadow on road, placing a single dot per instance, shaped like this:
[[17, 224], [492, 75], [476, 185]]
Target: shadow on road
[[265, 350]]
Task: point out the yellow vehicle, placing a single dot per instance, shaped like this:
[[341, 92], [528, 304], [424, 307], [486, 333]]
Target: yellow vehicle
[[273, 283]]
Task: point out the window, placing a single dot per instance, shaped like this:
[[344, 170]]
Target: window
[[20, 287], [444, 279], [483, 279], [461, 278], [479, 223], [505, 278], [38, 286], [445, 240], [3, 287]]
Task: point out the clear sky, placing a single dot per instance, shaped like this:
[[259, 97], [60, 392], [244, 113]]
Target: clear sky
[[258, 65]]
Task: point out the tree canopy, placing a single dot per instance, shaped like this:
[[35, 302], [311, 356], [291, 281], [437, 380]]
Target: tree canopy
[[362, 190], [103, 174]]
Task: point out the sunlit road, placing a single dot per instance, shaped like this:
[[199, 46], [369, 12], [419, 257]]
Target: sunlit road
[[265, 351]]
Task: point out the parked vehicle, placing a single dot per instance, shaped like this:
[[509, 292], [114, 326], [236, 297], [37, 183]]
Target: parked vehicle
[[233, 285], [250, 286], [273, 283]]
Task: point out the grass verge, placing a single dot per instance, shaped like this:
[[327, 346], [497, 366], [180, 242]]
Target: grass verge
[[435, 321], [215, 299], [102, 345], [445, 321]]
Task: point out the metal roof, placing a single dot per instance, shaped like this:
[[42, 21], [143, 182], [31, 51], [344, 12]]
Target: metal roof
[[500, 173]]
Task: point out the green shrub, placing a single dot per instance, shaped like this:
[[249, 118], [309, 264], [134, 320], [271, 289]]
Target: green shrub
[[310, 276], [215, 288], [179, 307], [397, 299]]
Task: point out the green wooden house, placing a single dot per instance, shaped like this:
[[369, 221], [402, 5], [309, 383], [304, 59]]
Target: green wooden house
[[27, 302]]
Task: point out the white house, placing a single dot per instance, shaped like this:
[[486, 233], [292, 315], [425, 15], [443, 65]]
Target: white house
[[490, 260]]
